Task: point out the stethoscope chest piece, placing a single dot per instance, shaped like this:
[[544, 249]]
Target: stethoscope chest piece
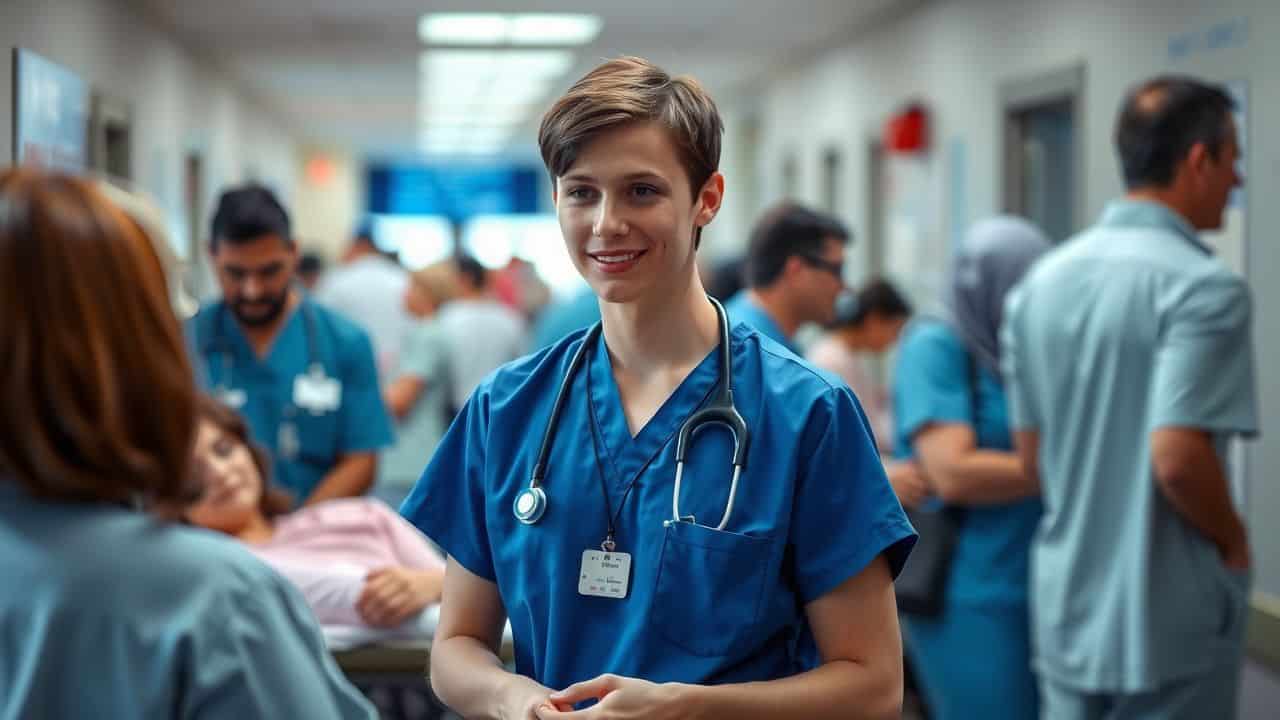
[[529, 505]]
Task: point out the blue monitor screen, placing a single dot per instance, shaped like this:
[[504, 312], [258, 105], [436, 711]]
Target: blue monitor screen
[[454, 192]]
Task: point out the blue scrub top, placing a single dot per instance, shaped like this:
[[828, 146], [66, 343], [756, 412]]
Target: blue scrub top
[[933, 383], [813, 509], [741, 308], [228, 361]]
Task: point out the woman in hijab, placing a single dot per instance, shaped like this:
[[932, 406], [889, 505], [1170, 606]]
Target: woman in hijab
[[972, 657]]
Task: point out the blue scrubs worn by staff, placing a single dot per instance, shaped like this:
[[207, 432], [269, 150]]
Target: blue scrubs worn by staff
[[812, 508], [986, 593], [312, 398], [742, 308]]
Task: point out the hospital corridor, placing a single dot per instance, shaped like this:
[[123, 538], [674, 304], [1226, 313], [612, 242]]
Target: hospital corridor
[[565, 360]]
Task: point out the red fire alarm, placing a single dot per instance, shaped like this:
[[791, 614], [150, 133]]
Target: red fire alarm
[[908, 131]]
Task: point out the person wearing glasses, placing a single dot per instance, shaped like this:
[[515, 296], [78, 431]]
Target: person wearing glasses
[[794, 272]]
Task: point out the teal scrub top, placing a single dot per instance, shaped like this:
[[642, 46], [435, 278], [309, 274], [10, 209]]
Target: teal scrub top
[[813, 509], [112, 613], [932, 383], [1131, 326], [263, 389], [741, 308]]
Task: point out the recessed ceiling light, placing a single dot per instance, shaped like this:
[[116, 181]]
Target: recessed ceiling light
[[553, 29], [463, 28], [503, 29]]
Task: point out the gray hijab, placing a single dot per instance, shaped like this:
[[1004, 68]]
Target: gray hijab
[[996, 253]]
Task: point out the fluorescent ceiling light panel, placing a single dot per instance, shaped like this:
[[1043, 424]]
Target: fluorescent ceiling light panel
[[472, 101], [553, 29], [501, 29], [487, 86], [463, 28], [535, 63]]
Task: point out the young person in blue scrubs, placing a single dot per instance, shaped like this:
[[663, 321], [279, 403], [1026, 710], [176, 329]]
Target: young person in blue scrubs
[[788, 609], [303, 376], [974, 659], [794, 272]]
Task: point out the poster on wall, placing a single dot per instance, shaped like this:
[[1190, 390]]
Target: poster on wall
[[915, 255], [51, 113]]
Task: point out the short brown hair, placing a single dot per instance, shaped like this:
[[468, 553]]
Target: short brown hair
[[97, 401], [273, 500], [628, 90]]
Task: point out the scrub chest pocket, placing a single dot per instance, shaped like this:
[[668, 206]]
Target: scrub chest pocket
[[709, 588]]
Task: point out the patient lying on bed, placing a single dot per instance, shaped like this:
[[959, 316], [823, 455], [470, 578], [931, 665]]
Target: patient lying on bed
[[367, 573]]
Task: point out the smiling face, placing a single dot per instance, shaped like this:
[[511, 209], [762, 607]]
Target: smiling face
[[232, 484], [628, 214]]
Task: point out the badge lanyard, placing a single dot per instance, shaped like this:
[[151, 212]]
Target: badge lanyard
[[313, 391], [606, 572]]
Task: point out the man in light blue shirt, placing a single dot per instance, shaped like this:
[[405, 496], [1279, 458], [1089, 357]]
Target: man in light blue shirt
[[303, 376], [1129, 363], [794, 272]]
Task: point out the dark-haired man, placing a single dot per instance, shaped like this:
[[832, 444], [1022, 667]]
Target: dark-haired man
[[794, 272], [303, 376], [1129, 363]]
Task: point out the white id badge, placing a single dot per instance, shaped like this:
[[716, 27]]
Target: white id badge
[[316, 393], [604, 574], [234, 398]]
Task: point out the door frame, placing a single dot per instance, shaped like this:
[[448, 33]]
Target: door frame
[[1026, 92]]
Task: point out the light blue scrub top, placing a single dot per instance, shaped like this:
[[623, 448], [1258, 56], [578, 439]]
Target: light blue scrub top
[[228, 361], [704, 606], [1128, 327], [932, 384], [112, 613], [424, 354], [741, 308]]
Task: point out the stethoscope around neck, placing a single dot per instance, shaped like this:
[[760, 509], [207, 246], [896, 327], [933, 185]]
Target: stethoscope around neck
[[531, 503], [221, 344]]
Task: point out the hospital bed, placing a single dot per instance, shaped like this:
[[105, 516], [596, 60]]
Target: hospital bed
[[390, 666]]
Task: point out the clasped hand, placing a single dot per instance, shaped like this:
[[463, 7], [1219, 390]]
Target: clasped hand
[[619, 698]]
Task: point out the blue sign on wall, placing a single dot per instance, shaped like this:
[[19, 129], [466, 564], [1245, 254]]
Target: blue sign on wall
[[51, 123], [457, 193]]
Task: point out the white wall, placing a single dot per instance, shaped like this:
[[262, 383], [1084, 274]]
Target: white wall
[[180, 102], [955, 54], [328, 204]]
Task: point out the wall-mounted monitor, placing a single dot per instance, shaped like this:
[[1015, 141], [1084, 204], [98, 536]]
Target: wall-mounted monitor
[[51, 113]]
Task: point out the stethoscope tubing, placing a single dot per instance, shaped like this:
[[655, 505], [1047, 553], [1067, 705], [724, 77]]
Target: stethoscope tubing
[[221, 344], [531, 502]]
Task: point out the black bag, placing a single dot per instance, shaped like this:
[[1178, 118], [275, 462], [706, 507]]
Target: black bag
[[921, 587]]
